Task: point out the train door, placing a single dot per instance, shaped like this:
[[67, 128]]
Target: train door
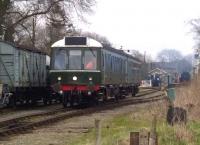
[[103, 66], [126, 70]]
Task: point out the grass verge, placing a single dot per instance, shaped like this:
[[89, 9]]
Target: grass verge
[[116, 131]]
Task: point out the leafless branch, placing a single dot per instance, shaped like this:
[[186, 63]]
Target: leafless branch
[[27, 15]]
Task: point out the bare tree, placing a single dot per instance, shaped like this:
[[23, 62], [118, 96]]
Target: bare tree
[[56, 22], [4, 5], [195, 23], [16, 13], [138, 55], [102, 39], [19, 19], [169, 55]]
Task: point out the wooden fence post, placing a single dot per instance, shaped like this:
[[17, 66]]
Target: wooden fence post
[[144, 137], [153, 135], [98, 131], [134, 138]]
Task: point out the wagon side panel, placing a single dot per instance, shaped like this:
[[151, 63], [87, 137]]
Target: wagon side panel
[[7, 64], [23, 68], [16, 67], [43, 70]]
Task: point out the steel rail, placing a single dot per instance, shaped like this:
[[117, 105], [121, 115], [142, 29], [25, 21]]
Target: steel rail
[[67, 115], [53, 111]]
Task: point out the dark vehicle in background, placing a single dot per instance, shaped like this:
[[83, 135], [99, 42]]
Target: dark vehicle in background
[[23, 75], [156, 81], [82, 70], [185, 77]]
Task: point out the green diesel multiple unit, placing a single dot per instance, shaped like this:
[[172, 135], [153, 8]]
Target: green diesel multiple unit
[[82, 69]]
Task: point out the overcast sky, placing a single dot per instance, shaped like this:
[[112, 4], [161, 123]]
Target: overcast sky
[[145, 25]]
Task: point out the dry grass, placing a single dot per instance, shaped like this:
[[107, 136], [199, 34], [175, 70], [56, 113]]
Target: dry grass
[[124, 142], [188, 97], [182, 133]]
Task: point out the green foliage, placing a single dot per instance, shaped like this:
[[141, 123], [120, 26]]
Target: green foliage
[[118, 129], [195, 128]]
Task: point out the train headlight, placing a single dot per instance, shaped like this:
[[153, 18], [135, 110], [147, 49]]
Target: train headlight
[[74, 78], [59, 78], [90, 78], [89, 93], [60, 92]]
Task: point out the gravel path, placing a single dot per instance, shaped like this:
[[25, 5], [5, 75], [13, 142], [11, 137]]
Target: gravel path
[[5, 115]]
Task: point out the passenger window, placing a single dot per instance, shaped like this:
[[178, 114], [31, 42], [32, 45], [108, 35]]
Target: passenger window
[[75, 59], [90, 62], [60, 59]]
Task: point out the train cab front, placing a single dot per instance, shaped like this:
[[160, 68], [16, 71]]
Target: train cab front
[[76, 87], [75, 72]]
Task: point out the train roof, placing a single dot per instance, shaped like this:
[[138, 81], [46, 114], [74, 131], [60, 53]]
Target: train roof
[[77, 42], [119, 51], [21, 47]]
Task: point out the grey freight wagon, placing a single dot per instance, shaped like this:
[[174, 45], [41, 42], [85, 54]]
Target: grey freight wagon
[[22, 75]]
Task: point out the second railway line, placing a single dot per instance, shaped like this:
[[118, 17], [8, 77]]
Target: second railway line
[[29, 122]]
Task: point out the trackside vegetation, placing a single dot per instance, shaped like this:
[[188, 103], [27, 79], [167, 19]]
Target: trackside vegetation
[[116, 131]]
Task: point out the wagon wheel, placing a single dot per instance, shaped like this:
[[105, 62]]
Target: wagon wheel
[[45, 101], [33, 102], [71, 100], [134, 91], [78, 99], [65, 100], [12, 101], [95, 99], [133, 94], [104, 96], [50, 102], [58, 98]]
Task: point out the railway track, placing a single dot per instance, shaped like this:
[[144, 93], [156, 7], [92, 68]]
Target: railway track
[[27, 107], [30, 110], [29, 122], [146, 92]]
